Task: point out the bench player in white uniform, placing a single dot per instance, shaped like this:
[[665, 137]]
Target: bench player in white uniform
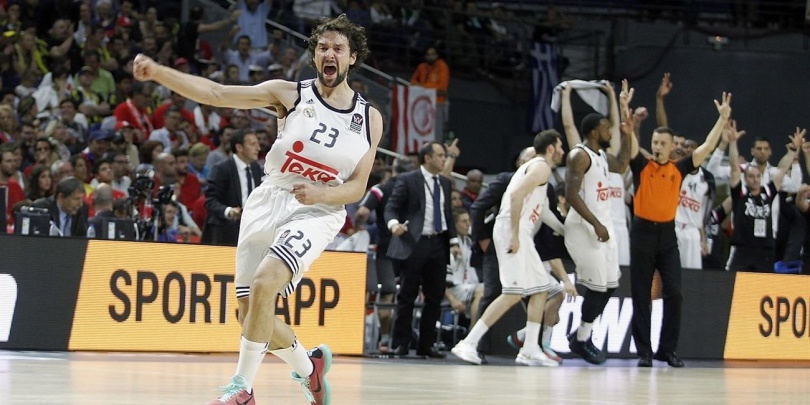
[[321, 161], [589, 234], [692, 216], [522, 272]]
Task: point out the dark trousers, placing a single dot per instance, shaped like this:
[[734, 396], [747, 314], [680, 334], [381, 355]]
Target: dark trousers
[[654, 246], [426, 267], [751, 258], [492, 289]]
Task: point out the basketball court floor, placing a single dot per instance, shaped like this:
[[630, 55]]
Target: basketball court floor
[[29, 378]]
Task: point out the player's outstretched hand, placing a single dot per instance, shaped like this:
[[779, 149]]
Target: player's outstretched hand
[[143, 68]]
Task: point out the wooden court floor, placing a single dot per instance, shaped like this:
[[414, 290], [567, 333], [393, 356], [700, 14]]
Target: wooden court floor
[[34, 378]]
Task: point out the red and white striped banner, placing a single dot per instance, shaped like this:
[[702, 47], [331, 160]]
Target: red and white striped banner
[[414, 110]]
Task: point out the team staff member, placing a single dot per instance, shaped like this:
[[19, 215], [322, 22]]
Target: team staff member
[[657, 182]]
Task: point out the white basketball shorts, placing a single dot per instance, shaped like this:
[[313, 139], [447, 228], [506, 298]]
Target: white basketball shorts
[[275, 224], [689, 246], [522, 272], [597, 262]]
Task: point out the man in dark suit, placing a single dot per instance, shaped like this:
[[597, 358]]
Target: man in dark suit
[[68, 211], [229, 184], [419, 215]]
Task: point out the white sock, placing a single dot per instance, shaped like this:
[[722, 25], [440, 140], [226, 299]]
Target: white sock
[[478, 331], [521, 334], [251, 355], [386, 338], [532, 334], [297, 357], [584, 331], [546, 340]]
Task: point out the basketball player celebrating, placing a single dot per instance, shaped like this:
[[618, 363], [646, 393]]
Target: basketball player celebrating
[[320, 162], [589, 234], [523, 273]]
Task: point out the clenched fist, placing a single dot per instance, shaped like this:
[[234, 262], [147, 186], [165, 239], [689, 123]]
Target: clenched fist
[[143, 68]]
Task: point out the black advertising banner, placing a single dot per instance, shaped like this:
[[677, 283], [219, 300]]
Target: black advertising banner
[[39, 285]]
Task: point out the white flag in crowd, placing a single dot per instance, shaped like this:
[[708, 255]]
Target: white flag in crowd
[[414, 110]]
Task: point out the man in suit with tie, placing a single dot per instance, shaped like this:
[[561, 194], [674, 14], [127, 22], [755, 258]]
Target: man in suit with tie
[[68, 211], [419, 215], [229, 184]]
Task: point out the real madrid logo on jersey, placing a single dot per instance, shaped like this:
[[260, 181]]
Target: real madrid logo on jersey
[[309, 112], [357, 123]]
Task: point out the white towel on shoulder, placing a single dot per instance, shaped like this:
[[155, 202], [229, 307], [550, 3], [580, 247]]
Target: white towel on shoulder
[[589, 91]]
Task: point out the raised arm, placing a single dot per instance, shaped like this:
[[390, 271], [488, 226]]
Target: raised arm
[[570, 128], [734, 154], [204, 91], [452, 152], [806, 153], [221, 24], [625, 97], [619, 163], [615, 139], [724, 112], [577, 164], [660, 110], [796, 141]]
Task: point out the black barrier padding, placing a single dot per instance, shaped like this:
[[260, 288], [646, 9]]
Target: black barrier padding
[[48, 273], [707, 299]]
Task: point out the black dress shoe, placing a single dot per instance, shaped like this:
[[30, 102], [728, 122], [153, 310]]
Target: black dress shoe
[[432, 353], [671, 358], [645, 360], [400, 351]]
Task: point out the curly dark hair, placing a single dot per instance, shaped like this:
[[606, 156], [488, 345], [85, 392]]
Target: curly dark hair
[[356, 35]]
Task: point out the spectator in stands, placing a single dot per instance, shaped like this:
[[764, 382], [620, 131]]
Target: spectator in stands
[[190, 188], [189, 34], [134, 111], [82, 27], [91, 104], [148, 152], [103, 174], [120, 168], [147, 25], [123, 142], [60, 42], [8, 124], [176, 100], [475, 179], [208, 121], [7, 170], [170, 134], [81, 172], [291, 63], [311, 12], [67, 209], [102, 207], [60, 170], [223, 151], [44, 153], [197, 156], [243, 57], [251, 21], [99, 144], [456, 200], [57, 135], [434, 73], [30, 52], [75, 123], [753, 242]]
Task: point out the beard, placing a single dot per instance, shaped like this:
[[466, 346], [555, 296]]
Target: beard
[[604, 144], [338, 80]]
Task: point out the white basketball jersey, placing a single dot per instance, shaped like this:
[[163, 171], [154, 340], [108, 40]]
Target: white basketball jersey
[[595, 190], [618, 209], [318, 143], [533, 204], [694, 200]]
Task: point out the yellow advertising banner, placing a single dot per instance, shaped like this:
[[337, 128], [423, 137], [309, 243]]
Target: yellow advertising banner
[[770, 318], [181, 298]]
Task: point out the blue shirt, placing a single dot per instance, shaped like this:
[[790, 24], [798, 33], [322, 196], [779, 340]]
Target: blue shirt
[[253, 25]]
